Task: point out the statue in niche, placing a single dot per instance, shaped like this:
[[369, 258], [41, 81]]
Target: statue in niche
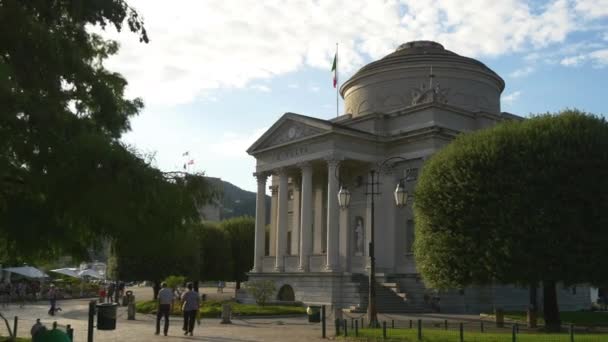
[[358, 236]]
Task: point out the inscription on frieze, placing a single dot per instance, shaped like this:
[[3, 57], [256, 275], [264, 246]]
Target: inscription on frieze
[[291, 153]]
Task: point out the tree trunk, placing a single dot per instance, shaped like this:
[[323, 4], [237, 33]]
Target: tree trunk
[[195, 286], [551, 309], [238, 285], [156, 289]]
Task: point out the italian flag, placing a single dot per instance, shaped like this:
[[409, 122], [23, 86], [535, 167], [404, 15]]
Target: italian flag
[[334, 69]]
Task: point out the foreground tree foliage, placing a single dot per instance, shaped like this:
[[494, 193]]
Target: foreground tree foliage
[[66, 180], [520, 203], [241, 232]]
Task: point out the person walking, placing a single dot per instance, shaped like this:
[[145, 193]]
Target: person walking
[[190, 306], [53, 300], [165, 306]]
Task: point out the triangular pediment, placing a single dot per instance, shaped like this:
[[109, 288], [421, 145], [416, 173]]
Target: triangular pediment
[[290, 128]]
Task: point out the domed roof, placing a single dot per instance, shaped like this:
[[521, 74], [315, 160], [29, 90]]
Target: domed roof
[[419, 52]]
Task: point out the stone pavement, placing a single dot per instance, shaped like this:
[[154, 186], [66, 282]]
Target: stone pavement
[[75, 313]]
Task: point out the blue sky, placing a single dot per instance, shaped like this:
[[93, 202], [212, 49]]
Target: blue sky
[[217, 74]]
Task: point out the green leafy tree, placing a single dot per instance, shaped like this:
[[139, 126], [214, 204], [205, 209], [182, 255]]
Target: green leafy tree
[[241, 231], [520, 203], [215, 252], [67, 182]]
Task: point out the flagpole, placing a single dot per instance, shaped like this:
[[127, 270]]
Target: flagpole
[[337, 81]]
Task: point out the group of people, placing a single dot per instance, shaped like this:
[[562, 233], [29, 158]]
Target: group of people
[[190, 303], [111, 292], [18, 292]]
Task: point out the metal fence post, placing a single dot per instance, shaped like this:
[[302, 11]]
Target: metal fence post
[[362, 321], [410, 324], [15, 324], [384, 330], [445, 324], [481, 326], [571, 332], [356, 328], [514, 334], [323, 329], [461, 328], [352, 323], [345, 327], [419, 330], [337, 326], [91, 321]]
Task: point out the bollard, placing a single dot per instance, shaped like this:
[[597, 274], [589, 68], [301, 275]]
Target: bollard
[[345, 327], [514, 334], [357, 328], [55, 325], [91, 321], [352, 323], [571, 332], [323, 332], [481, 326], [15, 324], [362, 321], [445, 324], [384, 330], [461, 328], [419, 330], [70, 332]]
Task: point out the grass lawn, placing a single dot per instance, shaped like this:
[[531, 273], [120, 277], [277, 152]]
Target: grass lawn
[[213, 309], [19, 339], [439, 335], [578, 318]]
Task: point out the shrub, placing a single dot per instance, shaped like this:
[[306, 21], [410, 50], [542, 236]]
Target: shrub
[[173, 282], [261, 290]]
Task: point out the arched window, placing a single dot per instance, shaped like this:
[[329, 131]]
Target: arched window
[[286, 294]]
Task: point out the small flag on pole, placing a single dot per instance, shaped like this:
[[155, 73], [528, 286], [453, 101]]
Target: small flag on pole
[[334, 69], [186, 153]]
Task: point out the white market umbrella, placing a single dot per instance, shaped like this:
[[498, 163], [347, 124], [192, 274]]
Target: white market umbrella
[[90, 273], [27, 271], [67, 271]]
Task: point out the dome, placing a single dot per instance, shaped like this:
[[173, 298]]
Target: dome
[[397, 80]]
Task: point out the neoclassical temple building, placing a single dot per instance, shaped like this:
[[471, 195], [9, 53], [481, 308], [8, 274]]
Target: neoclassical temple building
[[405, 106]]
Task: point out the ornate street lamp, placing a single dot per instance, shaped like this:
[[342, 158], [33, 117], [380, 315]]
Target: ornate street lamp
[[400, 201]]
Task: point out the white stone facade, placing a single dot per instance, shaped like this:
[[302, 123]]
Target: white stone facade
[[407, 105]]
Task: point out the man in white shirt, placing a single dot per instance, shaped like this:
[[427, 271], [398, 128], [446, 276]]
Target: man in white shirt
[[165, 306]]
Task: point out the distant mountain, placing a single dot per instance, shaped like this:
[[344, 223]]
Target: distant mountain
[[232, 201]]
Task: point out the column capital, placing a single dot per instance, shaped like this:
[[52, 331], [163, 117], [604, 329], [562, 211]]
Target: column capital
[[274, 189], [333, 161], [281, 171], [304, 165], [261, 176]]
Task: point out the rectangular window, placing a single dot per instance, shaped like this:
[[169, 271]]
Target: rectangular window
[[409, 237]]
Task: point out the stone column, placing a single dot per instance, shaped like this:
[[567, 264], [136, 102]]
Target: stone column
[[332, 216], [306, 217], [295, 224], [274, 190], [260, 222], [281, 246]]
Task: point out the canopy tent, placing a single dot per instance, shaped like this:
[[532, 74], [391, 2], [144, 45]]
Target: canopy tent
[[90, 273], [72, 272], [27, 271]]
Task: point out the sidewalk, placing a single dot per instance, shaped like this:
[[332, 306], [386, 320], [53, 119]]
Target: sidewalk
[[75, 313]]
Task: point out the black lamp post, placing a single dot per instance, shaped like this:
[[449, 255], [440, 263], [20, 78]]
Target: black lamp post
[[400, 200]]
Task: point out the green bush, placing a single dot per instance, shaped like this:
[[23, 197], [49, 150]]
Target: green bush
[[213, 309], [261, 290], [174, 282]]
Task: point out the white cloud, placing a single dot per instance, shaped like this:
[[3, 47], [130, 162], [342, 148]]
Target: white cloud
[[522, 72], [233, 145], [592, 9], [293, 86], [198, 46], [314, 89], [510, 98], [261, 87], [573, 61], [599, 58]]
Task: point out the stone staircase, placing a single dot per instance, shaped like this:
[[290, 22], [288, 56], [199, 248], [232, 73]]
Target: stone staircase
[[390, 296]]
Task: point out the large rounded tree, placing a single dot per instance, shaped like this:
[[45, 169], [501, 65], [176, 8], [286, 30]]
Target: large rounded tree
[[520, 203]]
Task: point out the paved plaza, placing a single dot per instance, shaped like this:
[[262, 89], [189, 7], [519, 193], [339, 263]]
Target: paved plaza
[[75, 313]]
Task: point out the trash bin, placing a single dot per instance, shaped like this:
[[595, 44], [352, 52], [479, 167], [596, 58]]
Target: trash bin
[[106, 316], [314, 313]]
